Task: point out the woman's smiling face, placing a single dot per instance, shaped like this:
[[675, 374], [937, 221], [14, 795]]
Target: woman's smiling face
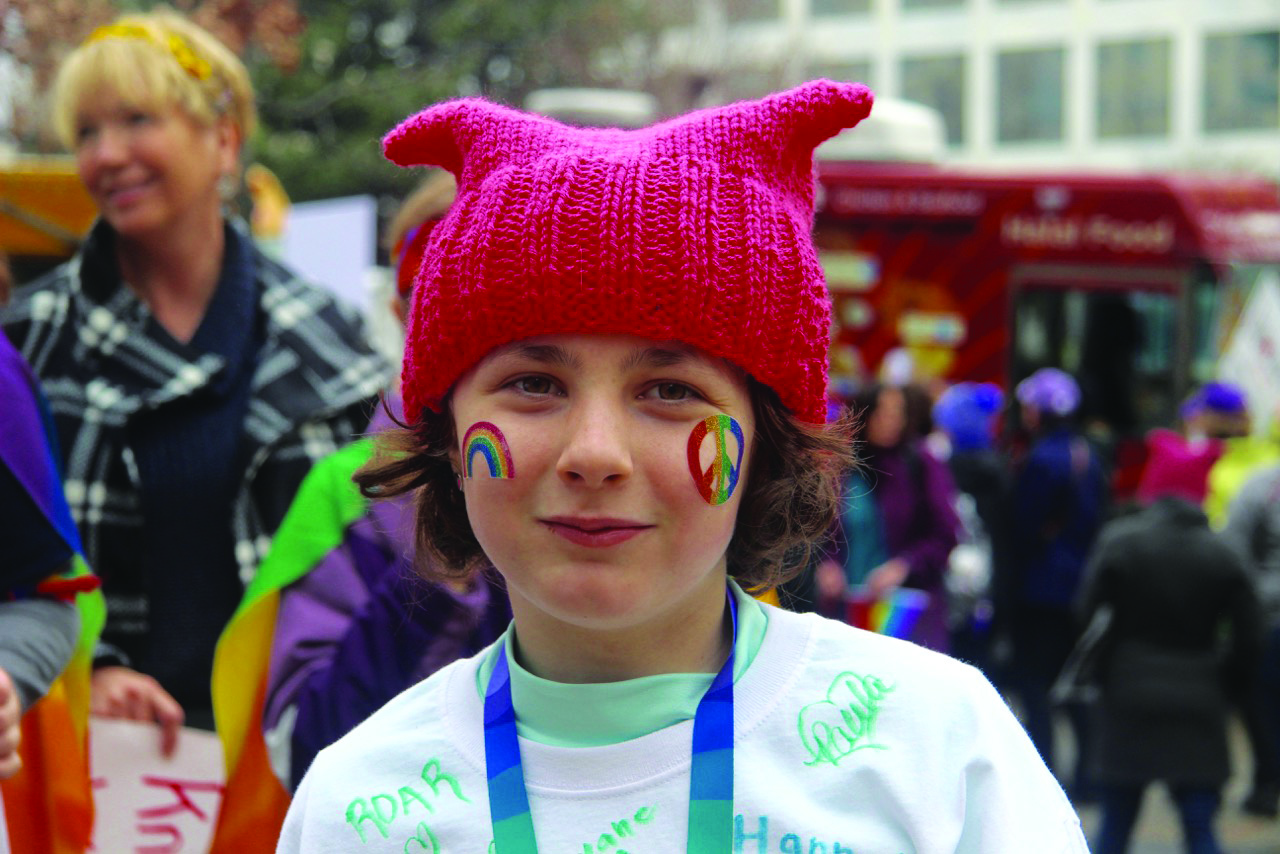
[[603, 526], [150, 168]]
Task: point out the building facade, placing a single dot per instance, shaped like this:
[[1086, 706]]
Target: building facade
[[1108, 83]]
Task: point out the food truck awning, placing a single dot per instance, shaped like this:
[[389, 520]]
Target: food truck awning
[[1073, 216], [44, 209]]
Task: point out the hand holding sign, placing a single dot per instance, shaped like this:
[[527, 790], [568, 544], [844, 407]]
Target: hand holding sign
[[119, 692]]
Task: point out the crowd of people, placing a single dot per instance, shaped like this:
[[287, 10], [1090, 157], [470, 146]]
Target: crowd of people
[[522, 585], [1051, 579]]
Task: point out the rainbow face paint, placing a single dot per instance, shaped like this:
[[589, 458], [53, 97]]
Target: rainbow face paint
[[716, 483], [485, 440]]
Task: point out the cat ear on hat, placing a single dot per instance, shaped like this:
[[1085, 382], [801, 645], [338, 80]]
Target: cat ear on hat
[[777, 135], [470, 133], [808, 115], [814, 113]]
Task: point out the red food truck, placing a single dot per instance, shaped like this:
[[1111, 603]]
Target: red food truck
[[1130, 282]]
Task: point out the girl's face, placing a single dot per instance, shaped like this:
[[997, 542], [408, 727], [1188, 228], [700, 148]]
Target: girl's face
[[149, 169], [603, 525]]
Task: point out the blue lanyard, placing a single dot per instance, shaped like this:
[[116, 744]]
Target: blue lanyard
[[710, 774]]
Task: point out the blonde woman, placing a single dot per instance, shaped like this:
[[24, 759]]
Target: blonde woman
[[192, 379]]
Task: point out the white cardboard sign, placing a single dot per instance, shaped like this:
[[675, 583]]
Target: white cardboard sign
[[145, 803], [334, 242]]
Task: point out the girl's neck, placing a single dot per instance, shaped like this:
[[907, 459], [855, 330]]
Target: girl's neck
[[691, 639], [175, 273]]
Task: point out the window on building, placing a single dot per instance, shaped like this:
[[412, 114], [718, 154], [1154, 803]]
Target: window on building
[[930, 4], [1242, 81], [938, 81], [742, 84], [1133, 88], [1030, 99], [751, 10], [848, 72], [823, 8]]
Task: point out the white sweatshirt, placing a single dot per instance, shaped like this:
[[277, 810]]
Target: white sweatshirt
[[846, 741]]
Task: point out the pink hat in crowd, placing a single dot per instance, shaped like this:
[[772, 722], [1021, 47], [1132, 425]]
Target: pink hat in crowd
[[694, 230]]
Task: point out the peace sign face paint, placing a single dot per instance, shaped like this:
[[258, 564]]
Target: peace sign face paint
[[486, 441], [716, 482]]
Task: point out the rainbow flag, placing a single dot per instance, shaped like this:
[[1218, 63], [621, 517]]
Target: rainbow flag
[[49, 804], [894, 615], [254, 803]]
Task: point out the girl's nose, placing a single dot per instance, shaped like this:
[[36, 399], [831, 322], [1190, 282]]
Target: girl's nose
[[596, 450]]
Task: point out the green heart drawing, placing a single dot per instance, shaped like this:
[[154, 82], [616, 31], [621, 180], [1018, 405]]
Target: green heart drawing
[[844, 722]]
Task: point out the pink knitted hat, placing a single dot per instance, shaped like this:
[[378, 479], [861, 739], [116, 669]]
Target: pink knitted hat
[[694, 230]]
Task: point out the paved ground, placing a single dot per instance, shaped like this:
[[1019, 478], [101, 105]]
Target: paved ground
[[1158, 831]]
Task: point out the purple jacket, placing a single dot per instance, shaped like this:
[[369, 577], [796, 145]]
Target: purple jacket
[[913, 492], [361, 627]]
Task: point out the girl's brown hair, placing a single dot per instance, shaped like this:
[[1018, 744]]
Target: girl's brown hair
[[790, 502]]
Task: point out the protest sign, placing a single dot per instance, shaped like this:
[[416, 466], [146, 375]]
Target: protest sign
[[148, 803]]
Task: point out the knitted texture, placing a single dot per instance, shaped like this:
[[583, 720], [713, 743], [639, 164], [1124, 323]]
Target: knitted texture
[[694, 230]]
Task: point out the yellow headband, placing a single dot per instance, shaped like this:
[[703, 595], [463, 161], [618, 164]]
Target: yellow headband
[[176, 45]]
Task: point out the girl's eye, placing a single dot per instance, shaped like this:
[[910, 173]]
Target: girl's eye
[[674, 392], [137, 117], [85, 133], [534, 385]]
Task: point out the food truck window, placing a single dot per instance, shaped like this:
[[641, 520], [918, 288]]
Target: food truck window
[[1206, 320], [1120, 345]]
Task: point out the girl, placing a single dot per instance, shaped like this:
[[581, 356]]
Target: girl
[[616, 367]]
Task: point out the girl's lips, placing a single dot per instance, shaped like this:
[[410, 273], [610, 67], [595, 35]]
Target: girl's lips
[[595, 533]]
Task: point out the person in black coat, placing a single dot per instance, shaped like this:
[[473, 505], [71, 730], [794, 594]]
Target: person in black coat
[[1168, 671]]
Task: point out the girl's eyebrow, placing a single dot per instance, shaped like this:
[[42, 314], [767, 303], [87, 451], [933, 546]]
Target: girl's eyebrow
[[547, 354], [657, 357]]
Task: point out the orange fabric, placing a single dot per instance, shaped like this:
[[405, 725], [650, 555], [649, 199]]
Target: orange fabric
[[49, 804], [254, 803], [769, 597]]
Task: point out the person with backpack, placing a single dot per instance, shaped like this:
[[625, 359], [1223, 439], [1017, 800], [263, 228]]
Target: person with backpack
[[966, 417], [1056, 509]]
